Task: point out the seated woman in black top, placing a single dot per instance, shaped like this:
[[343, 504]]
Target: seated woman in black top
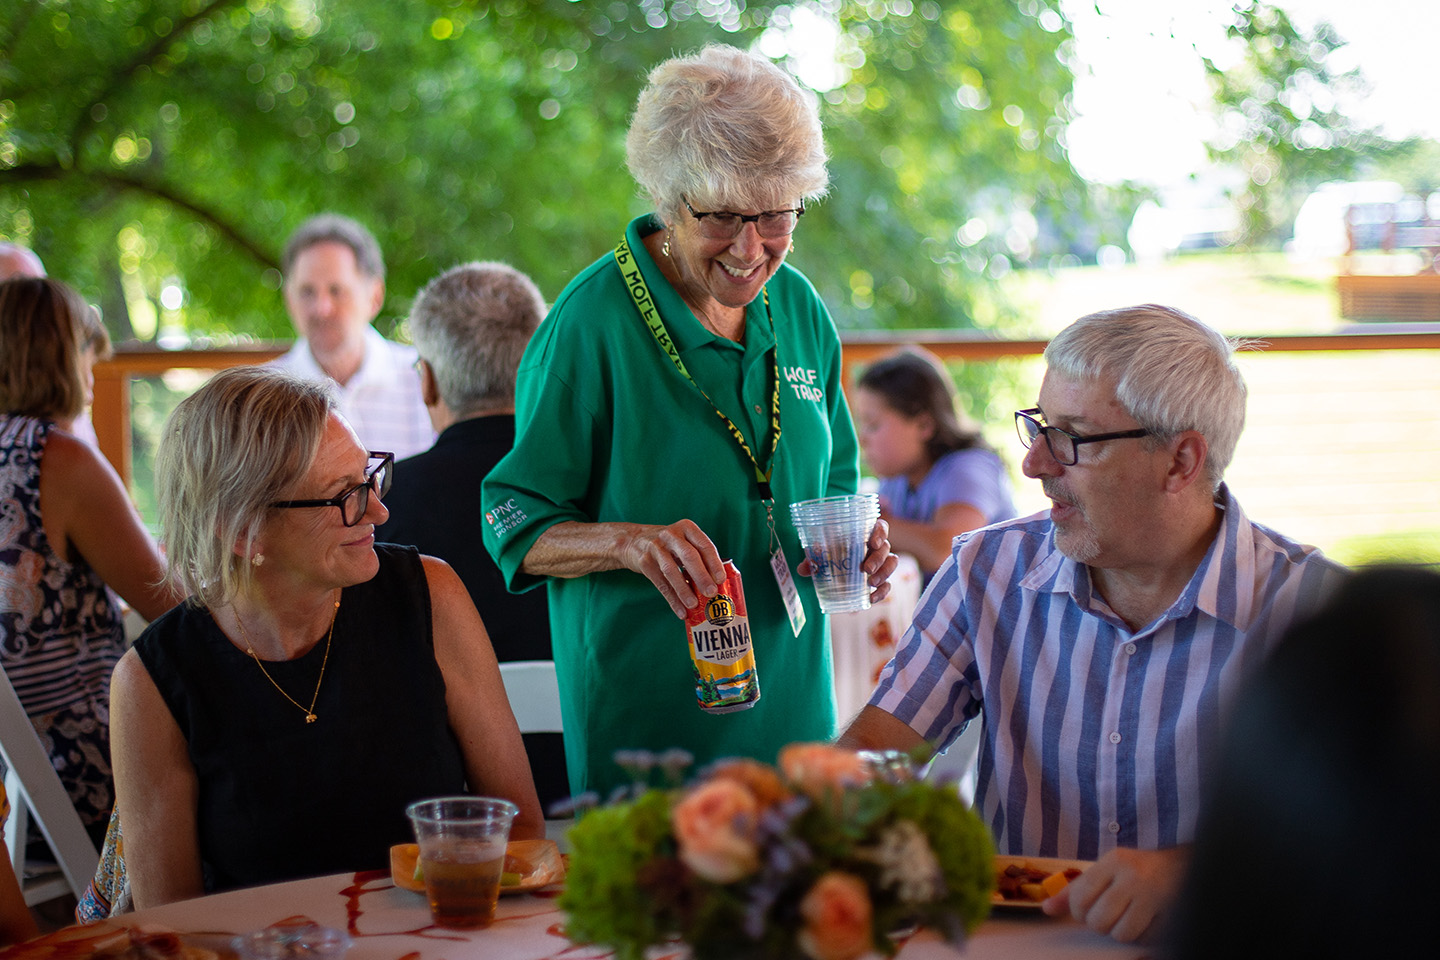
[[276, 724]]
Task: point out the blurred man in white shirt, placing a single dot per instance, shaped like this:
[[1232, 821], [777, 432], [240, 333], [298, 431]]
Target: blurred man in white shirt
[[334, 288]]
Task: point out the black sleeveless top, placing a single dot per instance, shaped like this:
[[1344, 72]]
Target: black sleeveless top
[[280, 798]]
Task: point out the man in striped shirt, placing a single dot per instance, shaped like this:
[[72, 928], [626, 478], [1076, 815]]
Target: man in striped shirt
[[1104, 640]]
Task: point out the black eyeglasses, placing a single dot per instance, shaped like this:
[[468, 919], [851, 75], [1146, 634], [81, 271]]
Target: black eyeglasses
[[724, 225], [354, 502], [1064, 445]]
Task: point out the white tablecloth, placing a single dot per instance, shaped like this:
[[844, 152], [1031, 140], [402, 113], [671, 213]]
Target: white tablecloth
[[392, 924], [864, 641]]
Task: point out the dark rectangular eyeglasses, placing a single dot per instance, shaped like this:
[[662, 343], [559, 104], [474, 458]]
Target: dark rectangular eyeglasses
[[1064, 445], [724, 225], [354, 502]]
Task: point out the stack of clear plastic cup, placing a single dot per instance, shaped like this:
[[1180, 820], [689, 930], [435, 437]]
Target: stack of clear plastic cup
[[835, 532]]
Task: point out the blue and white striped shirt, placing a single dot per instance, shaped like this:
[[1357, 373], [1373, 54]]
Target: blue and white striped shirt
[[1094, 736]]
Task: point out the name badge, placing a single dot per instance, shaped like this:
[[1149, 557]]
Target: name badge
[[793, 607]]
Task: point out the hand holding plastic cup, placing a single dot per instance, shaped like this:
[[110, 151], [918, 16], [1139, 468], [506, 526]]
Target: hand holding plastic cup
[[462, 854], [835, 532]]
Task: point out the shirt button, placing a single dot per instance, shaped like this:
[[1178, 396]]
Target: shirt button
[[1115, 737], [1114, 827], [759, 409], [1130, 649]]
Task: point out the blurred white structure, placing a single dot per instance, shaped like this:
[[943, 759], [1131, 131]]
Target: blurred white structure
[[1194, 217], [1320, 228]]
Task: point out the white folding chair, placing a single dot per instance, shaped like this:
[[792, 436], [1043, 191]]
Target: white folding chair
[[35, 790], [534, 695], [959, 762]]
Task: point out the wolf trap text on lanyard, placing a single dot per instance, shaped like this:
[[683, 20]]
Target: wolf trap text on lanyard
[[645, 304]]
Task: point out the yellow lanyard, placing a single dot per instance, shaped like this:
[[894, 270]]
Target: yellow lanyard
[[640, 293]]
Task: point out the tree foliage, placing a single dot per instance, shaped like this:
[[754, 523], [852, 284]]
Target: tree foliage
[[147, 144], [1281, 116]]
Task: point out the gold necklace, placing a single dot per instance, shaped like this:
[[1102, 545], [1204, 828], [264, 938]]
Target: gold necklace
[[250, 649]]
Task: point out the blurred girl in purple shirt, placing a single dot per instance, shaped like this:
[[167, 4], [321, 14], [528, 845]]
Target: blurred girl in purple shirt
[[939, 477]]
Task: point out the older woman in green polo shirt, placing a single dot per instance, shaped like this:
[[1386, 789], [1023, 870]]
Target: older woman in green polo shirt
[[684, 390]]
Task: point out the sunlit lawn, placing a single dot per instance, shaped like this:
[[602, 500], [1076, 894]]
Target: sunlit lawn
[[1238, 293]]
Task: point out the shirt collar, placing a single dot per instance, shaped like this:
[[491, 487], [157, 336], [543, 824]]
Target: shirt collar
[[375, 366], [1229, 560], [686, 331], [372, 365]]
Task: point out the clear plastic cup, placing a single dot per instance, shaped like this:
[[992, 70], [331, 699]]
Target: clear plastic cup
[[462, 854], [292, 941], [835, 532]]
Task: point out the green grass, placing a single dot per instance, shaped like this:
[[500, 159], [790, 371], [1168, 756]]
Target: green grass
[[1417, 547]]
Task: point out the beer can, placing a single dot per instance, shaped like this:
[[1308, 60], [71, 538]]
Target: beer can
[[718, 629]]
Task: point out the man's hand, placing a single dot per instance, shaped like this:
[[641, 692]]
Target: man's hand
[[1124, 892]]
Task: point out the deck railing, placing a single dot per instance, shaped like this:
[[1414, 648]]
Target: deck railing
[[111, 412]]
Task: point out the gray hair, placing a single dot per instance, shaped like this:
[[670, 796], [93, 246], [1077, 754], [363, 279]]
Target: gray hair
[[239, 442], [334, 228], [725, 129], [471, 324], [1172, 373], [19, 261]]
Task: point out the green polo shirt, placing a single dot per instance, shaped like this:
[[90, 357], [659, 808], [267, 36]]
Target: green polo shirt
[[608, 430]]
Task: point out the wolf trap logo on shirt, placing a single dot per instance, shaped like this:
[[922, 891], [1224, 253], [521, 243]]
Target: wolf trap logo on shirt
[[506, 517], [804, 381]]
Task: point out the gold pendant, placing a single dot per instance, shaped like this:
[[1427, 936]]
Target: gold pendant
[[309, 718]]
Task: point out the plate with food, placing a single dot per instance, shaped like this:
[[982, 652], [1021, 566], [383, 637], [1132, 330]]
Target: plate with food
[[1025, 882], [529, 865], [110, 940]]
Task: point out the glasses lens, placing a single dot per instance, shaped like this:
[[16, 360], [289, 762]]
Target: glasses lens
[[1061, 445], [356, 502], [382, 477], [1027, 428], [720, 226], [781, 223]]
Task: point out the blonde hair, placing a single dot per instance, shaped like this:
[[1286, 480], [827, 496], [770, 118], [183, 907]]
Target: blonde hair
[[725, 129], [45, 327], [239, 442]]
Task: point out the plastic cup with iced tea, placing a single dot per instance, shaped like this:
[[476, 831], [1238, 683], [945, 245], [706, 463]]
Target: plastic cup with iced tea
[[462, 854]]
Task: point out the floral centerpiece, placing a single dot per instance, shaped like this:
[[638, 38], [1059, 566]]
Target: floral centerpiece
[[828, 857]]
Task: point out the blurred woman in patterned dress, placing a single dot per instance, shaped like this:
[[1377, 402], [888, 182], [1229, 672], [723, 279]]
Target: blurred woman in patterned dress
[[69, 539]]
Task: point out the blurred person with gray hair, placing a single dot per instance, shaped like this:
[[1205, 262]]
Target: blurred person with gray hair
[[19, 261], [334, 288], [470, 325], [682, 393], [1104, 640]]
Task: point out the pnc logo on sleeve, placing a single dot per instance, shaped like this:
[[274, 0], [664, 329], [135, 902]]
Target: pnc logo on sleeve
[[505, 517]]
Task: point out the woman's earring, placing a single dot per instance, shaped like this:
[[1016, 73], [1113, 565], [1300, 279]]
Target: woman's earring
[[666, 249], [792, 246], [256, 559]]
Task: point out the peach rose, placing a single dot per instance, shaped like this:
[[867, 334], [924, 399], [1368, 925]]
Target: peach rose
[[715, 828], [760, 779], [837, 918], [819, 768]]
